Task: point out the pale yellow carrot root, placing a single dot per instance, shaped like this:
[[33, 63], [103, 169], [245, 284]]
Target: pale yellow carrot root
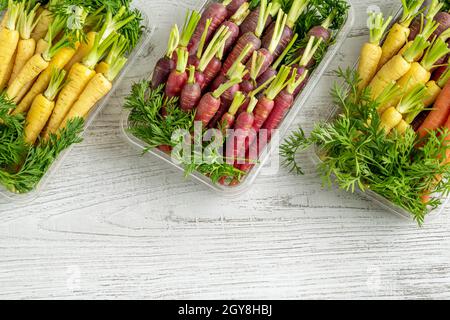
[[25, 50], [82, 51], [390, 119], [41, 46], [7, 75], [393, 70], [368, 64], [29, 72], [402, 127], [77, 80], [433, 91], [58, 62], [37, 117], [8, 45], [96, 89], [395, 40]]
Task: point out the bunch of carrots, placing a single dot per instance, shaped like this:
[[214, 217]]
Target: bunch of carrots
[[58, 59], [410, 71], [240, 65]]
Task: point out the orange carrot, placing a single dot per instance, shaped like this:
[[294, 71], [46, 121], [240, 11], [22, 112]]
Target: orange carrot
[[440, 113]]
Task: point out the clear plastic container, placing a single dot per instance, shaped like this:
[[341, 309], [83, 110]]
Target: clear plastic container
[[138, 50], [369, 194], [265, 154]]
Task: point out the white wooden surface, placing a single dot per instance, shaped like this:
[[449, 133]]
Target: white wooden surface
[[112, 224]]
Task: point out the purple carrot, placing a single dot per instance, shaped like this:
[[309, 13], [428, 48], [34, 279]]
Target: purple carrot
[[234, 6], [165, 65], [210, 103], [265, 57], [251, 22], [217, 12], [298, 6], [234, 71], [283, 102], [227, 120], [443, 18], [233, 25], [252, 38], [209, 64], [419, 20], [178, 77], [228, 96], [272, 70], [191, 93]]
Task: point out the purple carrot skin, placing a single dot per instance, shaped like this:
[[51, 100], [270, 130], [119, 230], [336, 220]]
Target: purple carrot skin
[[443, 18], [272, 70], [234, 6], [298, 6], [217, 12], [210, 103], [165, 65], [233, 25], [178, 77], [191, 93]]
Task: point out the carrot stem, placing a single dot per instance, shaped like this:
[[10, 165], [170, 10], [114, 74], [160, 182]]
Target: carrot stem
[[438, 50], [278, 84], [238, 100], [377, 27], [295, 83], [190, 24], [219, 38], [410, 11], [174, 40], [261, 87], [56, 84], [278, 31], [201, 45], [183, 57], [285, 52], [296, 10], [239, 59], [264, 12], [252, 104], [241, 13], [224, 87], [413, 100], [257, 63]]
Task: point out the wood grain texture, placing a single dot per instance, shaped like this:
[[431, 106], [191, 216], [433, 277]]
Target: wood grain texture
[[112, 224]]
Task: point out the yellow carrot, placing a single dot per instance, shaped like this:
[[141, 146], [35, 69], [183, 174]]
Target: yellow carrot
[[27, 45], [82, 51], [402, 127], [411, 103], [8, 72], [97, 88], [399, 33], [42, 107], [371, 51], [9, 38], [400, 64], [58, 62]]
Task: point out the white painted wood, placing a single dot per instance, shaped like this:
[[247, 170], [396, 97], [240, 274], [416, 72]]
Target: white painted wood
[[112, 224]]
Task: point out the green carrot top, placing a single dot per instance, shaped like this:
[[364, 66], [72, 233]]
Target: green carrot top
[[99, 49], [278, 84], [413, 100], [224, 87], [411, 8], [190, 24], [182, 60], [201, 45], [56, 83], [433, 9], [264, 11], [15, 9], [438, 50], [115, 67], [391, 92], [28, 21], [239, 16], [421, 42], [294, 83], [377, 26], [238, 101], [258, 60], [298, 6], [445, 77], [214, 46], [239, 59], [278, 31]]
